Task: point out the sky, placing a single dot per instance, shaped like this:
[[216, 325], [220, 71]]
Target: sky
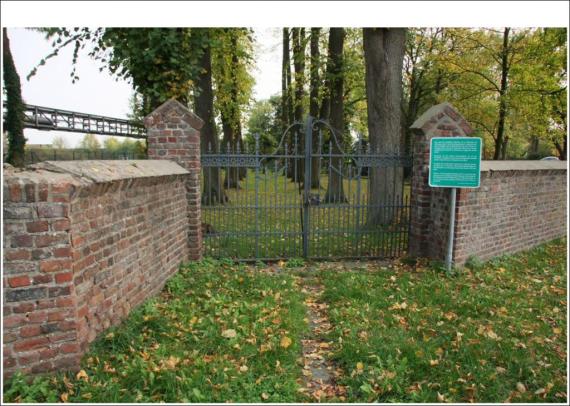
[[98, 93]]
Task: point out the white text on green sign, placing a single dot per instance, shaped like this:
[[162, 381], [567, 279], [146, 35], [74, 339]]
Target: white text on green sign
[[455, 162]]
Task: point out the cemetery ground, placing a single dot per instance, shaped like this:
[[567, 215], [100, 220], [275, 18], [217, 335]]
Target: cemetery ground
[[334, 331]]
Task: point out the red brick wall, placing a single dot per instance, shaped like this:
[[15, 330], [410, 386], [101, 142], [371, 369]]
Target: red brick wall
[[174, 134], [84, 242], [513, 210], [520, 204], [430, 206], [39, 301]]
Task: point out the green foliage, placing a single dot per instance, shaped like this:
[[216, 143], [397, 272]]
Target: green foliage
[[59, 142], [463, 66], [232, 62], [159, 62], [22, 389], [14, 124], [295, 263], [474, 263], [264, 120], [90, 142], [355, 110]]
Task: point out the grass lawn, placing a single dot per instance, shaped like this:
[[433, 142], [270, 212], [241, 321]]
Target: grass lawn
[[225, 332], [492, 334]]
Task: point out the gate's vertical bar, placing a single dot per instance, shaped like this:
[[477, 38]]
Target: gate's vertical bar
[[307, 185], [283, 243], [357, 230], [257, 163]]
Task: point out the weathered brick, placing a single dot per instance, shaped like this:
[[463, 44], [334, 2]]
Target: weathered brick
[[24, 240], [17, 295], [63, 277], [46, 240], [61, 225], [30, 331], [15, 191], [17, 255], [42, 279], [19, 281], [55, 265], [17, 212], [24, 307], [37, 226], [14, 320], [30, 344], [51, 210], [59, 291], [62, 252]]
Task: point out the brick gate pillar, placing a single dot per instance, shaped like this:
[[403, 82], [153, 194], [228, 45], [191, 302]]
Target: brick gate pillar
[[174, 134], [430, 206]]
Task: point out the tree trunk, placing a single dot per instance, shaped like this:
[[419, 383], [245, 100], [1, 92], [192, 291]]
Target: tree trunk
[[499, 139], [285, 81], [15, 107], [213, 191], [562, 149], [384, 54], [299, 65], [335, 189], [231, 118], [314, 101]]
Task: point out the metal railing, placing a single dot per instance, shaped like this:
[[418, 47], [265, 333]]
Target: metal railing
[[304, 199], [46, 154], [48, 119]]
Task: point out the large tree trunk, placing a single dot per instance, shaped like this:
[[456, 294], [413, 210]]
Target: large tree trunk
[[231, 118], [314, 101], [213, 191], [335, 189], [285, 81], [500, 143], [384, 54], [299, 65], [15, 107]]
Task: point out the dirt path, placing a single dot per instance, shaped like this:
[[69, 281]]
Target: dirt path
[[319, 372]]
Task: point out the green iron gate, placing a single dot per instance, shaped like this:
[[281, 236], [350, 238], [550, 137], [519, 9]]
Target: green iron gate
[[326, 197]]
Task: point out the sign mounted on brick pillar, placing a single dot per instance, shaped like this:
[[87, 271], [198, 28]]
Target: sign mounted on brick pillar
[[455, 162], [174, 134], [430, 222]]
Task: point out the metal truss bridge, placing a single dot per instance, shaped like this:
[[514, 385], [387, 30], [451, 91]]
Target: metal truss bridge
[[48, 119]]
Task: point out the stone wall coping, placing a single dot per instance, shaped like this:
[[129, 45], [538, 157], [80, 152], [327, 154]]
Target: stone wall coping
[[487, 166], [160, 114], [109, 171]]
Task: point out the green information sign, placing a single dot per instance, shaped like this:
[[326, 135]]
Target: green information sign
[[455, 162]]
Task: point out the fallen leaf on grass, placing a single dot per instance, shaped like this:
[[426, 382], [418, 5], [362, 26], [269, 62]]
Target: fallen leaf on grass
[[520, 387], [286, 342], [171, 362], [64, 397], [82, 375], [230, 333], [264, 396]]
